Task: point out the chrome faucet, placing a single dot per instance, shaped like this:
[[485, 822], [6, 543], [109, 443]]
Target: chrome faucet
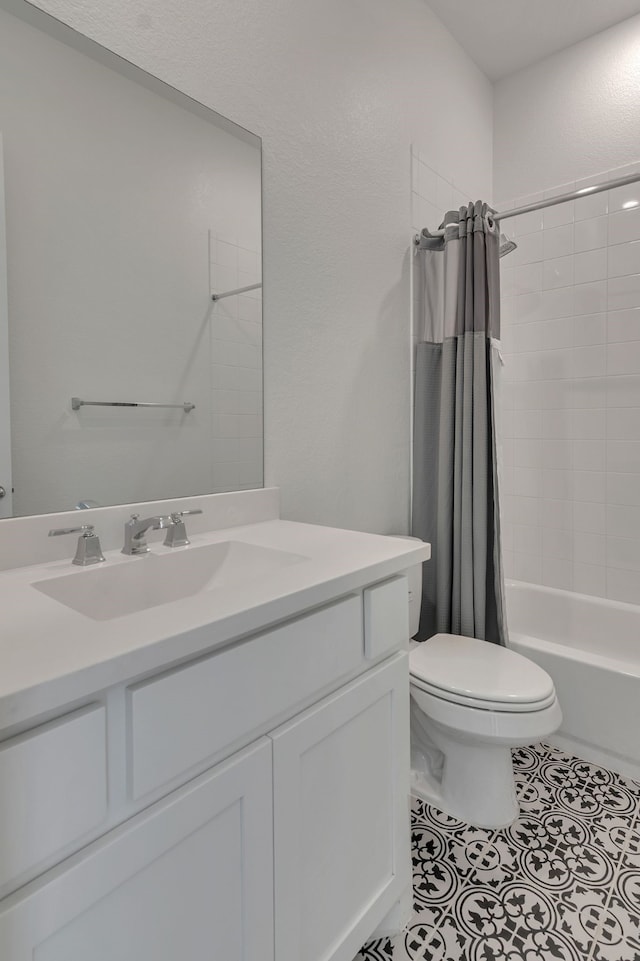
[[88, 550], [177, 534], [135, 530]]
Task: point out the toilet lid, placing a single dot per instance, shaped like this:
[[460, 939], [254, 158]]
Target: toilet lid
[[458, 668]]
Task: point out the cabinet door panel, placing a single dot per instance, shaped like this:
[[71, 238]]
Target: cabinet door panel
[[341, 815], [188, 879]]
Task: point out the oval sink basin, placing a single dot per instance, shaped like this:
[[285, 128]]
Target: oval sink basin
[[105, 592]]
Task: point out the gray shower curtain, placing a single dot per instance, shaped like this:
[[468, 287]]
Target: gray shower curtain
[[455, 482]]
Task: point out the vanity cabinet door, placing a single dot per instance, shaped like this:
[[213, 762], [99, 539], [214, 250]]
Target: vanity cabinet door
[[341, 816], [190, 878]]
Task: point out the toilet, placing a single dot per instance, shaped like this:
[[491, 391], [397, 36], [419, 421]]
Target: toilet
[[471, 702]]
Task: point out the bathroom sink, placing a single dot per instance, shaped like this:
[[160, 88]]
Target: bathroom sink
[[106, 592]]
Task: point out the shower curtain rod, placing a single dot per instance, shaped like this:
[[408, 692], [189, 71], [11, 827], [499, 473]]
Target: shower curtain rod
[[549, 202]]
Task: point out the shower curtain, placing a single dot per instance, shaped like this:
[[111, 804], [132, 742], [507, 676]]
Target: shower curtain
[[455, 481]]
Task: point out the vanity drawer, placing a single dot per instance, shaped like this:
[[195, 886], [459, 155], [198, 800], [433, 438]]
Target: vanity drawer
[[53, 789], [386, 617], [180, 719]]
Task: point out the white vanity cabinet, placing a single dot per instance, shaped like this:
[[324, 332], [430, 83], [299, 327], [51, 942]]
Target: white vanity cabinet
[[341, 816], [189, 878], [293, 847]]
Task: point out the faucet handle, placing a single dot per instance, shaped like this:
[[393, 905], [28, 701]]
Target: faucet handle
[[72, 530], [88, 550], [177, 533]]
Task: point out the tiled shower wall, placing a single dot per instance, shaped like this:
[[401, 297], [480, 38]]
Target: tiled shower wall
[[571, 339]]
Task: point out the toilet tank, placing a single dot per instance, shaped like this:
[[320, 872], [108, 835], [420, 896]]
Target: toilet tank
[[414, 575]]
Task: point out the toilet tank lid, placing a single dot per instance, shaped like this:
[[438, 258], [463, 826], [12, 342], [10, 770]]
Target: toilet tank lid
[[477, 669]]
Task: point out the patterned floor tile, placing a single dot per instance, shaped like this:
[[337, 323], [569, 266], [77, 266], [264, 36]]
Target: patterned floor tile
[[444, 852], [428, 941], [562, 882], [619, 934]]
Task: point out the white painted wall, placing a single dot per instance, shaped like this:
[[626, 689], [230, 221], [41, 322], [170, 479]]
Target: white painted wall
[[571, 318], [338, 89], [112, 192], [573, 115]]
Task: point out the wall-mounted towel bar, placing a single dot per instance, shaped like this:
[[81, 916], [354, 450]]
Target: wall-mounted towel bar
[[77, 403], [238, 290]]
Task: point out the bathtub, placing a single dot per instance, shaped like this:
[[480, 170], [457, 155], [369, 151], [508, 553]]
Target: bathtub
[[591, 648]]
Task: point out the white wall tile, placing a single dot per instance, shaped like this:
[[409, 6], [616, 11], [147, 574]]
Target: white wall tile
[[590, 579], [590, 298], [558, 573], [557, 424], [591, 205], [623, 292], [558, 215], [624, 259], [527, 278], [524, 223], [588, 424], [589, 329], [527, 481], [528, 251], [623, 457], [624, 226], [557, 543], [557, 333], [557, 241], [623, 391], [589, 455], [590, 234], [589, 517], [589, 485], [527, 567], [623, 489], [590, 266], [590, 361], [623, 586], [589, 548], [624, 358], [556, 303], [623, 521], [527, 539], [623, 553], [623, 423], [587, 393], [557, 484], [556, 455], [525, 337], [528, 307], [573, 353], [527, 423], [558, 273], [623, 325], [557, 514], [624, 198]]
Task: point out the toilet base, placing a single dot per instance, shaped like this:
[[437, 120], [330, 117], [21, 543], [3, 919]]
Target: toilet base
[[475, 784]]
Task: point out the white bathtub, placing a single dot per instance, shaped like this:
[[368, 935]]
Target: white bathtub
[[591, 648]]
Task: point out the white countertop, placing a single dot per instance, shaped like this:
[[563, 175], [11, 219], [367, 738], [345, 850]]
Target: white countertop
[[51, 656]]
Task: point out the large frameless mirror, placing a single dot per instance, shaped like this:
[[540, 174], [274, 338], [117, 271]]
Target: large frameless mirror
[[125, 207]]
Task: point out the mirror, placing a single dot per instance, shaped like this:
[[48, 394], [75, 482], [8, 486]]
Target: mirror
[[125, 206]]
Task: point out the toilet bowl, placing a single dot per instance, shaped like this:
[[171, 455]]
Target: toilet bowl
[[471, 703]]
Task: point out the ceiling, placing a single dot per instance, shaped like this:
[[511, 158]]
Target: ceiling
[[503, 36]]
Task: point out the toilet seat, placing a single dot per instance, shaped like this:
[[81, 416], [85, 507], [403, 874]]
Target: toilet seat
[[475, 674]]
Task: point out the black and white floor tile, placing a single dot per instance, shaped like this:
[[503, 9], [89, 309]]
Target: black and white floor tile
[[562, 882]]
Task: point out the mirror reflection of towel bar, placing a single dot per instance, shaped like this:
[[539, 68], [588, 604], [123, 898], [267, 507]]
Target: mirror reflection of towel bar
[[76, 404], [238, 290]]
